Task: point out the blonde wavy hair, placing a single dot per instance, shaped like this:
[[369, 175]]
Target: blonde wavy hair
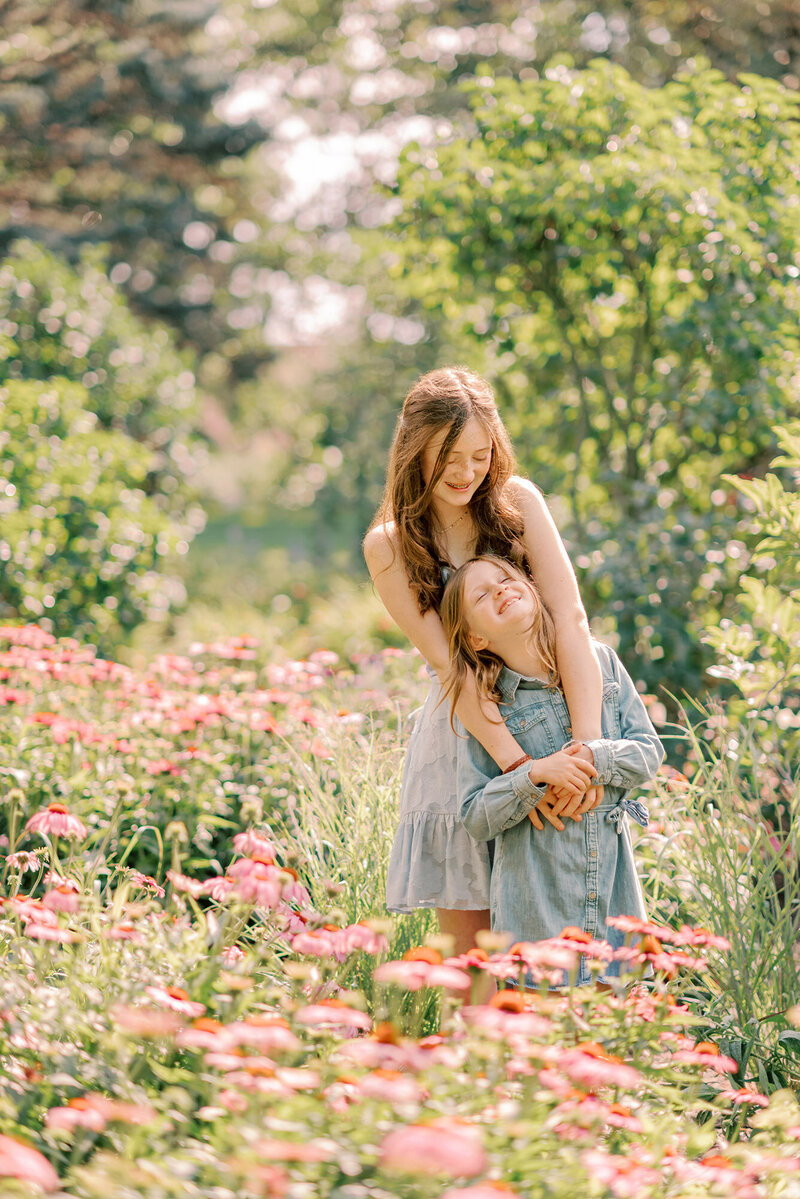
[[447, 399], [485, 665]]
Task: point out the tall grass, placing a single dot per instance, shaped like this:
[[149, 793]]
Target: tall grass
[[717, 861], [340, 820]]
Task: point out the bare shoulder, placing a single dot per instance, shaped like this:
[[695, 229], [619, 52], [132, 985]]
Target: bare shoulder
[[380, 547], [525, 494]]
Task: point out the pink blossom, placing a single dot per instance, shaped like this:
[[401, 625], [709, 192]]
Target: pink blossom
[[645, 928], [176, 999], [47, 932], [55, 820], [441, 1147], [67, 1119], [745, 1096], [318, 1150], [251, 843], [218, 888], [391, 1086], [701, 937], [264, 1033], [143, 1021], [332, 1012], [123, 932], [587, 1066], [146, 883], [626, 1176], [182, 882], [23, 860], [361, 936], [232, 954], [712, 1061], [18, 1160], [481, 1190], [61, 899], [415, 974]]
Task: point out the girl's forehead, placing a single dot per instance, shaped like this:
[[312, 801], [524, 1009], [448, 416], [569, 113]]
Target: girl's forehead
[[472, 438], [482, 570]]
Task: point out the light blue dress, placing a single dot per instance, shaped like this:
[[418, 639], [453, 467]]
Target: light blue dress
[[544, 880]]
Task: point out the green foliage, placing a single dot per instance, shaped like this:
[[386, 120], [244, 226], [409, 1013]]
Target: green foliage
[[758, 650], [74, 323], [641, 325], [711, 858], [96, 423], [81, 539]]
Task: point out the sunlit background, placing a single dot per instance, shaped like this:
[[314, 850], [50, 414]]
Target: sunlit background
[[217, 288]]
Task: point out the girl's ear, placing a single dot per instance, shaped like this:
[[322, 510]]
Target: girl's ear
[[477, 641]]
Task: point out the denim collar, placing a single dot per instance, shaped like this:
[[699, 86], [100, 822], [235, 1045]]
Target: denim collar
[[508, 681]]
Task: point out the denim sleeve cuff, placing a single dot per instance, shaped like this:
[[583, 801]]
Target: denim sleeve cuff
[[603, 756], [524, 789]]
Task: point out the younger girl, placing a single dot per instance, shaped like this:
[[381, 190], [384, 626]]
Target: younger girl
[[543, 880]]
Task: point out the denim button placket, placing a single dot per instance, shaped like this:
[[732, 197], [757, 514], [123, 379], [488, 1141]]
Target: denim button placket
[[592, 848]]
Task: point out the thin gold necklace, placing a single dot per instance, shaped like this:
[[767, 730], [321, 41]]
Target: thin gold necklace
[[453, 523]]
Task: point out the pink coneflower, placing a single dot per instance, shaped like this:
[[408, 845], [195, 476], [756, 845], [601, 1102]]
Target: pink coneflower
[[320, 1150], [490, 1189], [414, 975], [218, 888], [645, 928], [182, 882], [700, 937], [62, 898], [77, 1114], [176, 999], [146, 883], [20, 1161], [123, 932], [143, 1021], [264, 1032], [46, 932], [391, 1086], [332, 1013], [24, 860], [589, 1065], [745, 1096], [56, 821], [251, 843], [626, 1176], [441, 1147]]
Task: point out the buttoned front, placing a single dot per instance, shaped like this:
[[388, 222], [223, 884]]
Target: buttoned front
[[544, 880]]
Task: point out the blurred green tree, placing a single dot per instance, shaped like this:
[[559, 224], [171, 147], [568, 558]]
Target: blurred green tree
[[97, 410], [108, 132], [758, 648], [81, 541], [624, 262], [72, 322]]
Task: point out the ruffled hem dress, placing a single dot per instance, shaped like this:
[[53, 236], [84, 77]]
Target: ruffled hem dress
[[434, 862]]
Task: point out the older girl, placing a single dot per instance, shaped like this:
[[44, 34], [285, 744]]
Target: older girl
[[543, 880], [452, 493]]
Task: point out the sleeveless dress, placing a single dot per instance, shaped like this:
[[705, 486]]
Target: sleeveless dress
[[434, 862]]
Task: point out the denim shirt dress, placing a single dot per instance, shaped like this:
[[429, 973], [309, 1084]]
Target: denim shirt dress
[[542, 881]]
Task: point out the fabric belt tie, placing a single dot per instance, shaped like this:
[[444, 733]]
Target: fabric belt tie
[[635, 809]]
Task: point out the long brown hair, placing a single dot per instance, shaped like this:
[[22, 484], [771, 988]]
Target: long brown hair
[[485, 665], [447, 399]]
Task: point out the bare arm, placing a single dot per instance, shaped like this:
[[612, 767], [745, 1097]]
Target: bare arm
[[482, 720], [581, 676]]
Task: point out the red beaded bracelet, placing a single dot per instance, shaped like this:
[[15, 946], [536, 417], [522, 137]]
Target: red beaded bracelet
[[519, 762]]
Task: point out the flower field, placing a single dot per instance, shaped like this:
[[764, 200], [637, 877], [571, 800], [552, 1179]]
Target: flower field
[[201, 996]]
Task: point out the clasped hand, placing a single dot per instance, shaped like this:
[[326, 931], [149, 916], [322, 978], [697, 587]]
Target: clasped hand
[[569, 773]]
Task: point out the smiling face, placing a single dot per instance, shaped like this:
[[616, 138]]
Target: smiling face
[[465, 468], [498, 604]]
